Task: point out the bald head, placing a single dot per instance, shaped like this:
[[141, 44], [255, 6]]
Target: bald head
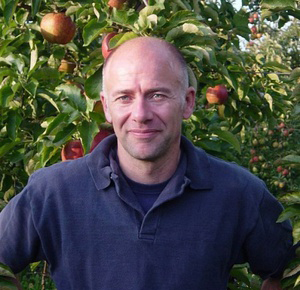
[[154, 50]]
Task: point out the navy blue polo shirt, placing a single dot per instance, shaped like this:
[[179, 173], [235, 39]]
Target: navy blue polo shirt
[[84, 220]]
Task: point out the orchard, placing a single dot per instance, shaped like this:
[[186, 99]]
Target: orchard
[[244, 64]]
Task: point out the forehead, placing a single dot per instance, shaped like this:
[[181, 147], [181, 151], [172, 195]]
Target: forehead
[[142, 63]]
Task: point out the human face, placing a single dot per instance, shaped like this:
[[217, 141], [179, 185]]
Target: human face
[[145, 101]]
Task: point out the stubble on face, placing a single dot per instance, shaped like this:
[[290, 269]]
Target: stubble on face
[[159, 66]]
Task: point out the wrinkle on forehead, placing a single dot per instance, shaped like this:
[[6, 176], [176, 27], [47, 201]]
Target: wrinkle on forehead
[[150, 52]]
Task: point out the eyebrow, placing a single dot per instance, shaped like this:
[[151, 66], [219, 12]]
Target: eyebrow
[[152, 90]]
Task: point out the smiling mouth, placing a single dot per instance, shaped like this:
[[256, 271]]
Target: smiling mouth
[[144, 133]]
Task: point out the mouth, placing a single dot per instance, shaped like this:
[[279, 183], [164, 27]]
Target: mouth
[[144, 133]]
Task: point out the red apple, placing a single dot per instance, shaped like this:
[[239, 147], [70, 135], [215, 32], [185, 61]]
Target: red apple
[[105, 44], [57, 28], [217, 94], [255, 15], [251, 19], [285, 172], [72, 150], [103, 133], [254, 29], [118, 4], [279, 169], [285, 132]]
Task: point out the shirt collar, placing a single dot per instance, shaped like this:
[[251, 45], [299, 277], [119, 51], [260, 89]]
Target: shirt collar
[[98, 162], [198, 169], [198, 166]]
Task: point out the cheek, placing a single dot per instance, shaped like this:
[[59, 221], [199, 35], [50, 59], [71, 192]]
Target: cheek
[[118, 117]]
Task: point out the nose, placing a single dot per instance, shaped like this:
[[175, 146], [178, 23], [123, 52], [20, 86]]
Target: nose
[[141, 110]]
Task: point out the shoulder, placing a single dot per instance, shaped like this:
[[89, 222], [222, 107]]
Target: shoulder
[[216, 172], [60, 171]]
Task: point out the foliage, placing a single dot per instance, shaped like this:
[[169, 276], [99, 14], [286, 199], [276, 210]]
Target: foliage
[[42, 108]]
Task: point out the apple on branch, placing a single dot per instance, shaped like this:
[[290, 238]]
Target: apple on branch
[[72, 150], [105, 44], [67, 66], [103, 133], [217, 94], [118, 4], [57, 28]]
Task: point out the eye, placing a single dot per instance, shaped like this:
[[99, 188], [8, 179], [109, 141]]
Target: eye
[[158, 96], [123, 98]]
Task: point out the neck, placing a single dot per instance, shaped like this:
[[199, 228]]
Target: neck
[[149, 172]]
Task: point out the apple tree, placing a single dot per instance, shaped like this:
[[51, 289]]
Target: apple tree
[[50, 77]]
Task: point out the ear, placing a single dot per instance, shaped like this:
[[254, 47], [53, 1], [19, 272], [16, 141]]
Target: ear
[[105, 107], [189, 103]]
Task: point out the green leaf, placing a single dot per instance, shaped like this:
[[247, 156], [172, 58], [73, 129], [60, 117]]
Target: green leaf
[[7, 285], [6, 94], [269, 99], [181, 16], [46, 74], [229, 138], [50, 97], [212, 57], [121, 38], [7, 145], [6, 271], [295, 74], [148, 10], [211, 15], [240, 19], [227, 76], [87, 132], [193, 39], [92, 30], [21, 16], [31, 87], [119, 16], [9, 9], [74, 95], [189, 28], [93, 85], [290, 212], [99, 118], [296, 92], [241, 274], [265, 13], [55, 122], [292, 159], [15, 61], [33, 54], [72, 9], [13, 122], [291, 198], [4, 44], [62, 136], [276, 66], [35, 6], [46, 154], [277, 5]]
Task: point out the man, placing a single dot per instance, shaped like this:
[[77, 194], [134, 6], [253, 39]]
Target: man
[[146, 209]]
